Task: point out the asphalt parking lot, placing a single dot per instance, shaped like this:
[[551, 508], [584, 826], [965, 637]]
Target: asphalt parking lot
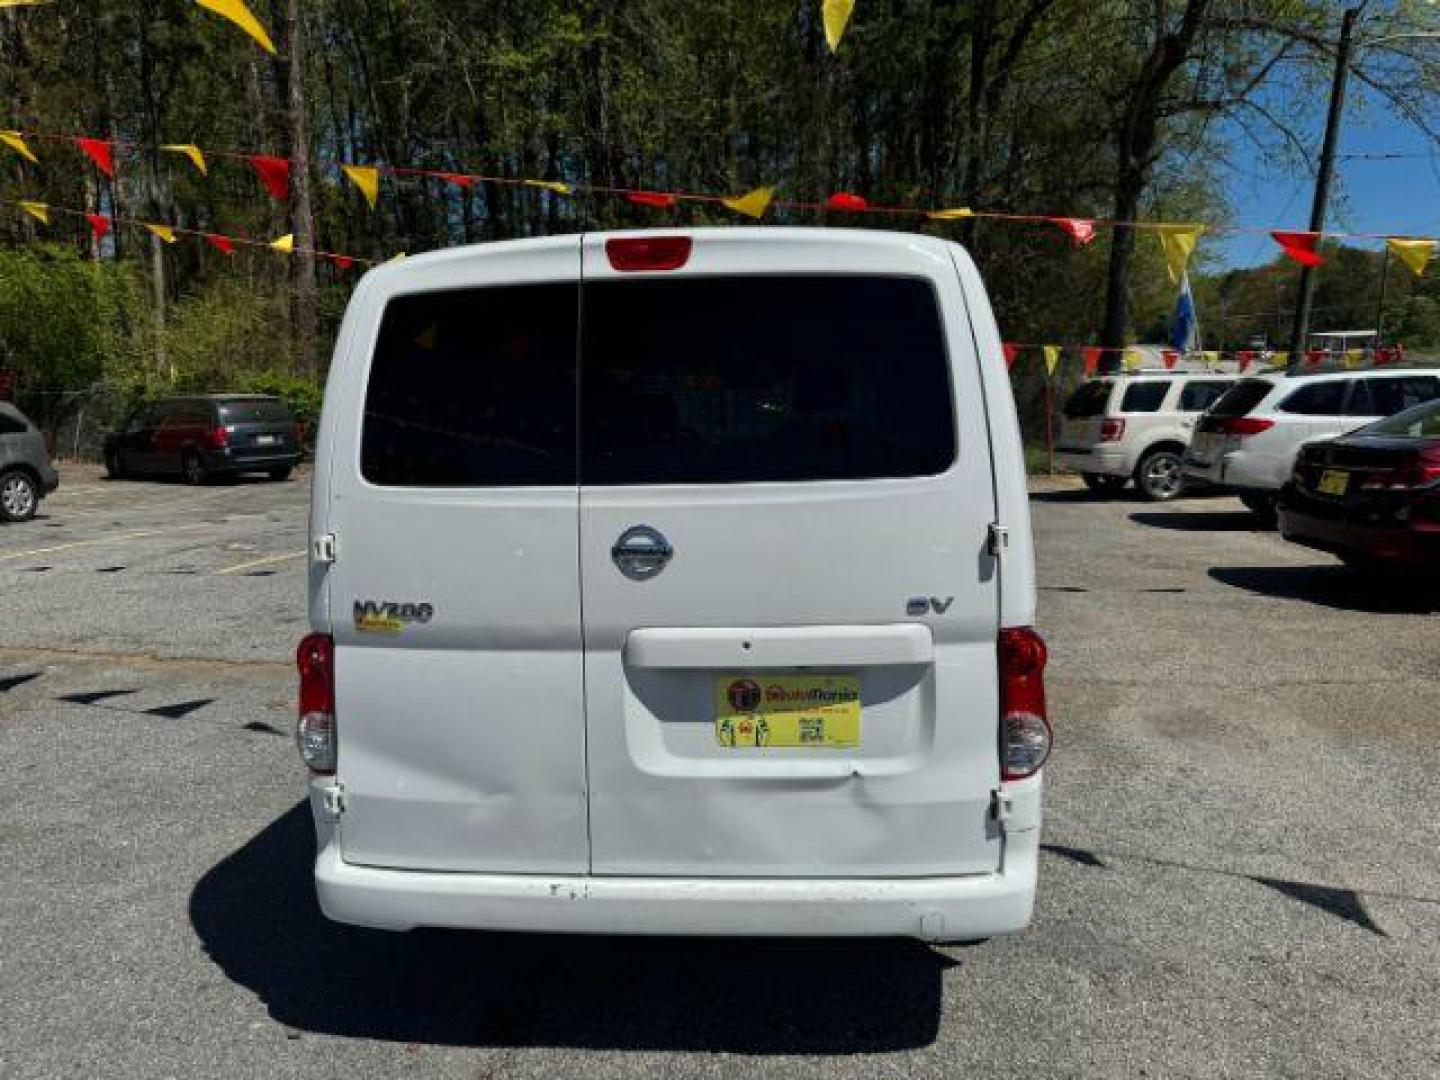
[[1241, 874]]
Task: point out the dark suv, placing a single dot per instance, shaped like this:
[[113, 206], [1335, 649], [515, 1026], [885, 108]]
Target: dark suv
[[203, 437]]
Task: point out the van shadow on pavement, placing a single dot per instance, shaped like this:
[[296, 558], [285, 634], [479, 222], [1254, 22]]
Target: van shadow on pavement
[[255, 913], [1333, 586], [1200, 520]]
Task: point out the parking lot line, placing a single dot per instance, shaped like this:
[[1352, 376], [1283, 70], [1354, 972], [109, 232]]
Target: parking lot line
[[161, 504], [267, 561], [103, 540]]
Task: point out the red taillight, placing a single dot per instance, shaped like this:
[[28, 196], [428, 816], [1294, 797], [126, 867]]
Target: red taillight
[[639, 253], [1112, 430], [219, 437], [1025, 732], [315, 734], [1241, 425], [1419, 473]]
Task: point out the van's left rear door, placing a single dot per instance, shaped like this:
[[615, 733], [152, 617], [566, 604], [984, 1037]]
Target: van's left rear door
[[455, 596]]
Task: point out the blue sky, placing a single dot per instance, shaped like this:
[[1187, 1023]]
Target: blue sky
[[1398, 195]]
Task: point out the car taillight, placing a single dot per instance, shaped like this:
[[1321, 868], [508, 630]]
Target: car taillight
[[315, 734], [638, 253], [1241, 425], [1112, 430], [1422, 472], [1025, 732], [220, 437]]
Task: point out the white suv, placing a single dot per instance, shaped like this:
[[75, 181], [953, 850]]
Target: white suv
[[1248, 442], [675, 584], [1123, 427]]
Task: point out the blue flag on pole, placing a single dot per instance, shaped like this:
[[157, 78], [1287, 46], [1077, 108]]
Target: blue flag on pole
[[1185, 332]]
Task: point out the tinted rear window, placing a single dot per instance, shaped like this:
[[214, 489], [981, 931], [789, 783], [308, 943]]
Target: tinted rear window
[[1316, 399], [1088, 400], [1241, 398], [1144, 396], [10, 424], [754, 379], [1421, 422], [1199, 396], [474, 388], [254, 412]]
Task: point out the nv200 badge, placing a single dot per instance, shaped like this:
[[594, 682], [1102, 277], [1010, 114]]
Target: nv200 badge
[[386, 617]]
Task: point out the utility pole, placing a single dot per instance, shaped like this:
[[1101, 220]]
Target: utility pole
[[1323, 177]]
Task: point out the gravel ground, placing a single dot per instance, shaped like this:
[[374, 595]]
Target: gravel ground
[[1241, 875]]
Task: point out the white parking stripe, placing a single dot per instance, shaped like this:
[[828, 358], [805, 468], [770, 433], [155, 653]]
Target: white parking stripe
[[268, 561], [115, 539]]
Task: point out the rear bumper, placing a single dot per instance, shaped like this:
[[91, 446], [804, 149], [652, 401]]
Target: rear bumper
[[49, 479], [1237, 471], [1100, 460], [930, 909], [250, 461], [1404, 546]]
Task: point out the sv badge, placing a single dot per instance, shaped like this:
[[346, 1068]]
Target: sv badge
[[924, 605]]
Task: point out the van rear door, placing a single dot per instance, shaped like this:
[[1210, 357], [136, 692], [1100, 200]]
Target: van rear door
[[455, 592], [790, 607]]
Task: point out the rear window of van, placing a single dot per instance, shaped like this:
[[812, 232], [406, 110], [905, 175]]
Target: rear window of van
[[722, 380], [715, 380], [255, 412]]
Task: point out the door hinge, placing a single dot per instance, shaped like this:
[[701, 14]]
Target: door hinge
[[999, 539], [1002, 806], [332, 801], [323, 549]]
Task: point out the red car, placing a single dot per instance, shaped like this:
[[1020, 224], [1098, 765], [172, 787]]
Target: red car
[[1372, 497]]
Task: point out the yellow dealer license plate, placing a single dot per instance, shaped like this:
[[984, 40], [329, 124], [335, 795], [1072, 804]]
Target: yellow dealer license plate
[[820, 712], [1334, 482]]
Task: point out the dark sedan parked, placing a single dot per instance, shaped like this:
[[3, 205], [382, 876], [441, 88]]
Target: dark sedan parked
[[203, 437], [1371, 497]]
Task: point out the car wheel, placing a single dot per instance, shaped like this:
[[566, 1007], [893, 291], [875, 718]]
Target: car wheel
[[1158, 475], [1102, 484], [114, 465], [280, 475], [194, 469], [19, 497], [1263, 507]]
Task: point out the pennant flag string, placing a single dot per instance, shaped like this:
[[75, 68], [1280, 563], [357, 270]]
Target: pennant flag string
[[241, 16], [102, 224], [1178, 240]]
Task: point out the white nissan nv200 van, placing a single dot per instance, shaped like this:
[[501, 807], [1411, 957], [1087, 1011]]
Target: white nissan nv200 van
[[674, 583]]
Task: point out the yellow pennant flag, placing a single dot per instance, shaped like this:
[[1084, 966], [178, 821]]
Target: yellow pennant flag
[[239, 14], [400, 257], [1052, 358], [752, 205], [1413, 253], [551, 185], [16, 142], [1211, 357], [1279, 359], [367, 179], [1178, 242], [837, 17], [164, 232], [957, 214], [24, 3], [194, 153], [38, 210], [1354, 357], [286, 244], [1134, 359]]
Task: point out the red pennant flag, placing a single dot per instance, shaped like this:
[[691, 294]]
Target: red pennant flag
[[1245, 358], [1081, 230], [1170, 357], [1314, 356], [1092, 358], [220, 243], [101, 153], [656, 199], [99, 225], [458, 179], [843, 200], [1300, 246], [274, 173], [344, 262], [1011, 352]]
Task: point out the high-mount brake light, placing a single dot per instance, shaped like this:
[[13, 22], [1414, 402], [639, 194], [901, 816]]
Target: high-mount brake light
[[1025, 732], [637, 254]]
